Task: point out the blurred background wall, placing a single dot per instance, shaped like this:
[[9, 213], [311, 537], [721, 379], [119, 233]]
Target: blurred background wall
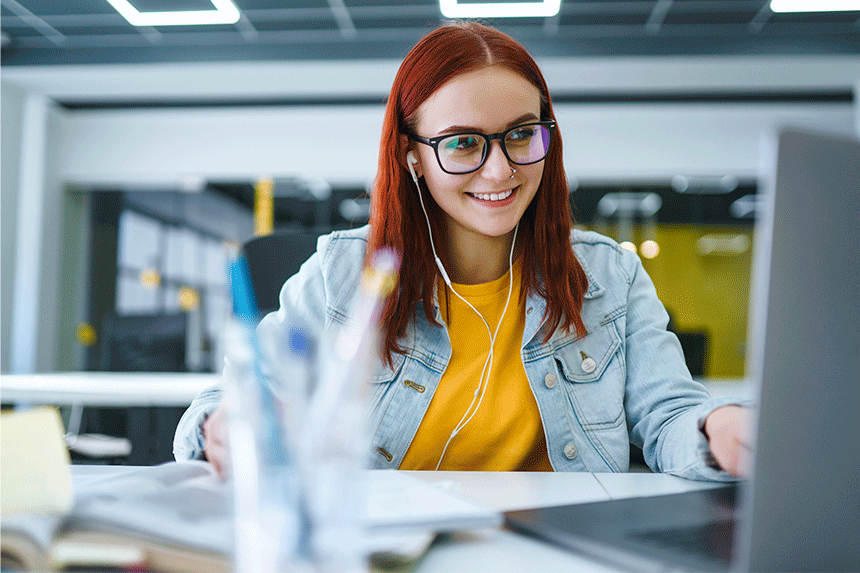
[[82, 140]]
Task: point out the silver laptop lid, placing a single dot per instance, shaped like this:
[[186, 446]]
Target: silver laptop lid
[[803, 502]]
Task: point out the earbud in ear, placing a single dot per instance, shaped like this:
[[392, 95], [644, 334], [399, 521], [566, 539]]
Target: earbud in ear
[[410, 161]]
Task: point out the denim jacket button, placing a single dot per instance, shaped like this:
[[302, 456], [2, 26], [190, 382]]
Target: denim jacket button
[[570, 451], [549, 380], [589, 365]]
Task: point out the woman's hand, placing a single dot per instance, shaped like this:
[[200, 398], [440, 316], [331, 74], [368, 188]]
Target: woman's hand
[[215, 441], [728, 431]]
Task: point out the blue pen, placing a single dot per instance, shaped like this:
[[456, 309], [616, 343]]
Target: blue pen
[[273, 491], [245, 311]]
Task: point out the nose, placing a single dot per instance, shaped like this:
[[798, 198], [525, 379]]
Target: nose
[[496, 167]]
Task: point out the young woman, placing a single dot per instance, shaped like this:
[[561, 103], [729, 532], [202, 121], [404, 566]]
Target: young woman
[[511, 342]]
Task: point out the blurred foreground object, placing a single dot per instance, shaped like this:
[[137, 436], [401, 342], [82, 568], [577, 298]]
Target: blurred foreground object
[[35, 475]]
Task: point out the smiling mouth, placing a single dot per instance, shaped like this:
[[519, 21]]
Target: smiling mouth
[[493, 196]]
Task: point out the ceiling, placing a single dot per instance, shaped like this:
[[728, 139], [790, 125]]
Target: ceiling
[[51, 32]]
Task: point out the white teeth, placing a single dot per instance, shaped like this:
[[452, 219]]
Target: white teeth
[[494, 196]]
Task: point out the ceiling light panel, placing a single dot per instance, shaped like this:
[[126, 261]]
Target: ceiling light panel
[[457, 9], [815, 5], [222, 12]]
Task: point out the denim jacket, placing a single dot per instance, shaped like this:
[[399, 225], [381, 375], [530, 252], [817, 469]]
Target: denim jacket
[[624, 382]]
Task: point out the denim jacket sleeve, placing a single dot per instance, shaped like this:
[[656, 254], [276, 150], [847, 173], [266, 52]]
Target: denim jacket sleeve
[[664, 405], [302, 297], [188, 439]]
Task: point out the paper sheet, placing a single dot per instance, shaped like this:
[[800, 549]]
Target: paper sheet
[[34, 463]]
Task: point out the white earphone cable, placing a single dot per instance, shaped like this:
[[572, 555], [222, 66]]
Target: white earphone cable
[[488, 363], [483, 382]]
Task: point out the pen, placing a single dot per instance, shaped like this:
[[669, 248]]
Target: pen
[[269, 421]]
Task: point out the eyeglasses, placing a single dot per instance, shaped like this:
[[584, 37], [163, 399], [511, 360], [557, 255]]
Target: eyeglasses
[[461, 153]]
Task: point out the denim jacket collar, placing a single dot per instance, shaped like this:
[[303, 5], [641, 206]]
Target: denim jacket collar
[[595, 289], [536, 306]]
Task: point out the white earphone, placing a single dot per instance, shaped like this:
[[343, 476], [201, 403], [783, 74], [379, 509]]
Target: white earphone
[[488, 364], [410, 161]]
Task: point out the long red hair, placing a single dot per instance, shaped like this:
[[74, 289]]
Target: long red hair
[[549, 266]]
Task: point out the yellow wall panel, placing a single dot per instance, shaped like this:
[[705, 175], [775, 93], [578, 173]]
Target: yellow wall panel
[[705, 291]]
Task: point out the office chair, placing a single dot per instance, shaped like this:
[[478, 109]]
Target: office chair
[[143, 343], [274, 258], [695, 347], [140, 435]]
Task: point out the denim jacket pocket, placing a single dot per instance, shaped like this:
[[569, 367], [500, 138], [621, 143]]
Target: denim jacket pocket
[[399, 396], [380, 384], [593, 369]]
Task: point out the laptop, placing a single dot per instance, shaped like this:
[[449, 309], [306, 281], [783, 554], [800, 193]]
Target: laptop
[[800, 510]]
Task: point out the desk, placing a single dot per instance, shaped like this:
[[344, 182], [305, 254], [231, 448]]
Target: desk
[[104, 388], [499, 550], [493, 551], [154, 401]]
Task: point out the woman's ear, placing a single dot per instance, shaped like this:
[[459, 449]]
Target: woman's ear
[[407, 153]]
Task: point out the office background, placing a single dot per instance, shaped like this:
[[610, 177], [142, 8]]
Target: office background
[[160, 135]]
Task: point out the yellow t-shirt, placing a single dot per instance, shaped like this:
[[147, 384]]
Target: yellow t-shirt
[[506, 433]]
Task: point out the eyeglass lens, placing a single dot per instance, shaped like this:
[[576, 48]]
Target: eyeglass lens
[[465, 152]]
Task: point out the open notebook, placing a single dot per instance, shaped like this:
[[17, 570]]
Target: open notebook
[[178, 517], [187, 505]]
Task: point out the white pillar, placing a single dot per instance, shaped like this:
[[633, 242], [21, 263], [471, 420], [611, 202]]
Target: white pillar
[[28, 248], [857, 107]]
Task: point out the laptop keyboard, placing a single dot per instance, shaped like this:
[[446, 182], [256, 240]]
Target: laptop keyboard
[[713, 539]]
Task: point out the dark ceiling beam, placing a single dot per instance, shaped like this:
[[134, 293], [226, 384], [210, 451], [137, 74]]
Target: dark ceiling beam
[[35, 22], [657, 16], [756, 97], [551, 25], [760, 19], [382, 35], [343, 19], [152, 35], [247, 29], [404, 11]]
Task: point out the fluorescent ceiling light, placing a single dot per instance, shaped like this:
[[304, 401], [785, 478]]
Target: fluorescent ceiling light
[[544, 9], [815, 5], [224, 13]]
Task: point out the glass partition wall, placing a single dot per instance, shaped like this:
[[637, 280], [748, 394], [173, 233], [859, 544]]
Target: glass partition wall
[[151, 252]]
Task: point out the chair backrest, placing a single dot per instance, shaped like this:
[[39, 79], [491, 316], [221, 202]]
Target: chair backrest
[[274, 258], [143, 343], [695, 347]]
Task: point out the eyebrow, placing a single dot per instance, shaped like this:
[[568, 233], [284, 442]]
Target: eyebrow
[[472, 129]]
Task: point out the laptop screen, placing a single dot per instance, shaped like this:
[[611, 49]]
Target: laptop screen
[[803, 342]]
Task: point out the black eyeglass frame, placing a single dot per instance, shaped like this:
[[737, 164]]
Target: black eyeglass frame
[[434, 142]]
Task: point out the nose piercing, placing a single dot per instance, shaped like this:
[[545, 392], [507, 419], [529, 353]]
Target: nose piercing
[[512, 172]]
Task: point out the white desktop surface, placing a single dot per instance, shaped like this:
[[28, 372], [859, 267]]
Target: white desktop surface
[[104, 388], [620, 486], [507, 491], [500, 550]]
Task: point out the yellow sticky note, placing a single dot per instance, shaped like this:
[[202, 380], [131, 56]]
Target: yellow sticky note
[[34, 463]]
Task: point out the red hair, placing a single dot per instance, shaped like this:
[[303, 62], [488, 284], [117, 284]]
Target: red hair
[[549, 266]]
